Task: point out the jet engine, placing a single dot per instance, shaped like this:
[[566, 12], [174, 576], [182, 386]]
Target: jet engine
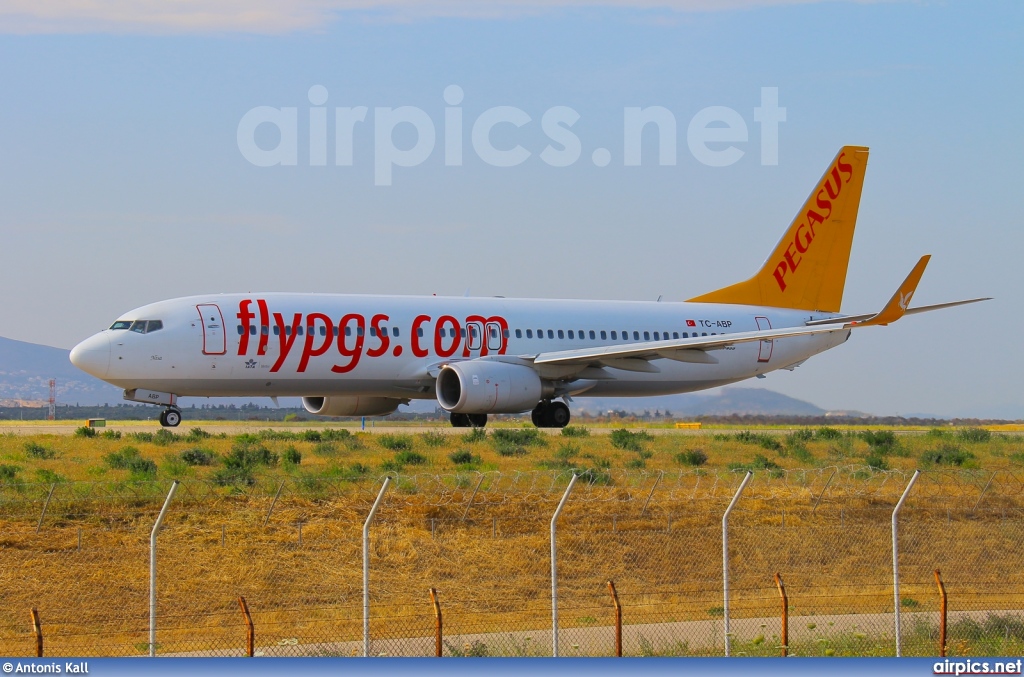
[[488, 387], [351, 406]]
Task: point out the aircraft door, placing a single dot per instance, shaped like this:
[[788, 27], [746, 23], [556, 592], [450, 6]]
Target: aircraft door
[[764, 351], [494, 337], [214, 338]]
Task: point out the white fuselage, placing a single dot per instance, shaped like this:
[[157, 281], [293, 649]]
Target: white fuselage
[[391, 346]]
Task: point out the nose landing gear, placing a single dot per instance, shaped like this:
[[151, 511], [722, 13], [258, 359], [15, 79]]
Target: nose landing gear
[[551, 415], [170, 417]]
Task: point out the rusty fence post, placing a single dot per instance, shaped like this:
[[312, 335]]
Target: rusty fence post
[[37, 628], [618, 619], [942, 613], [785, 614], [250, 630], [439, 626]]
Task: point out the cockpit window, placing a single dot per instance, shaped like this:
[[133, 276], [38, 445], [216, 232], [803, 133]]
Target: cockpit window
[[140, 326]]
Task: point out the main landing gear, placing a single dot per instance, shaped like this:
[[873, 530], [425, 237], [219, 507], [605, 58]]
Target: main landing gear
[[550, 415], [468, 420], [170, 417]]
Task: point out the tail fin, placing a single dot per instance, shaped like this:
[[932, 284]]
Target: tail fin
[[807, 270]]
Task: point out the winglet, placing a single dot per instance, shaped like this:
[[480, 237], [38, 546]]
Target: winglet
[[900, 301]]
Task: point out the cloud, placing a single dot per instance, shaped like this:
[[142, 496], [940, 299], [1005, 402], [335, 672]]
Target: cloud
[[269, 17]]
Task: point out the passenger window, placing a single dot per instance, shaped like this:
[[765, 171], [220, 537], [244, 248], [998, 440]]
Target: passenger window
[[704, 334], [394, 332], [504, 332], [581, 335], [360, 331], [252, 329], [373, 331], [614, 337], [384, 331], [647, 336], [298, 331], [656, 336], [287, 330], [323, 330], [675, 334], [348, 330], [636, 336], [519, 333], [419, 331], [462, 332], [529, 333], [686, 335], [551, 334], [494, 333], [604, 336], [121, 324], [561, 334], [265, 330], [571, 335], [241, 330], [277, 330]]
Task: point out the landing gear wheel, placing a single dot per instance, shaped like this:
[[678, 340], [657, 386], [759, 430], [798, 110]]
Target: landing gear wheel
[[558, 415], [477, 420], [539, 415], [460, 420], [170, 418]]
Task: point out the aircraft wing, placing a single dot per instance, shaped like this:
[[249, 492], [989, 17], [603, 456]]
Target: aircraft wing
[[634, 356]]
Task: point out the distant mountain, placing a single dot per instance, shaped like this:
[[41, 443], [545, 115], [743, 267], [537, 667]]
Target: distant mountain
[[723, 402], [26, 370]]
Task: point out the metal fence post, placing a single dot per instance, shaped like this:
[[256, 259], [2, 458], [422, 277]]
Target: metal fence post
[[152, 568], [366, 567], [554, 567], [943, 608], [46, 505], [896, 562], [438, 624], [250, 630], [725, 555], [37, 630], [618, 619], [785, 614]]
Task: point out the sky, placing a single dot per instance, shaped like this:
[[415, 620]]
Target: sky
[[133, 137]]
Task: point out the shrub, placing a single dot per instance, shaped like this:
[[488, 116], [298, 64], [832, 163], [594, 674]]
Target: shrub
[[163, 437], [291, 456], [826, 433], [974, 435], [233, 476], [770, 443], [475, 435], [36, 450], [336, 434], [636, 463], [947, 454], [410, 458], [801, 435], [128, 458], [692, 457], [1017, 457], [938, 432], [801, 454], [197, 435], [141, 437], [8, 472], [85, 431], [248, 457], [507, 448], [629, 441], [395, 442], [312, 436], [463, 457], [433, 438], [49, 477], [575, 431], [882, 441], [111, 434], [197, 456], [876, 462]]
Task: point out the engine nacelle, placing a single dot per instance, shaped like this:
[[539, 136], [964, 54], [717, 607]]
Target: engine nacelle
[[488, 387], [350, 406]]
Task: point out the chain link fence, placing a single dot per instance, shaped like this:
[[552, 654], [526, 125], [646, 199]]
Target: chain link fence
[[293, 549]]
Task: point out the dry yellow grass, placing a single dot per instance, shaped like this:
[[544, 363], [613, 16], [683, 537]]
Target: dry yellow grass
[[489, 559]]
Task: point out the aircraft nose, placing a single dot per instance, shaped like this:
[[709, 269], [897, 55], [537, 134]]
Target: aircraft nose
[[93, 355]]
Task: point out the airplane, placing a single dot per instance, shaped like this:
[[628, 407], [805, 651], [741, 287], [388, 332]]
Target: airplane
[[364, 355]]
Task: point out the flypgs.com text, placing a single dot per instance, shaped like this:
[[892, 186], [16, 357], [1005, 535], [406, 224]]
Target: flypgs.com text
[[713, 135]]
